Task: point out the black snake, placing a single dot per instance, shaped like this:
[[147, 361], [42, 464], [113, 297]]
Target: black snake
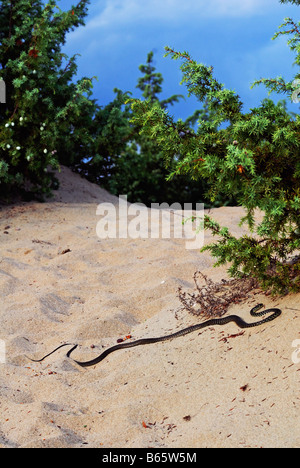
[[221, 321]]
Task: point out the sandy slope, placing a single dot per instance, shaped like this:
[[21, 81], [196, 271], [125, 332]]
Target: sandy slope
[[59, 282]]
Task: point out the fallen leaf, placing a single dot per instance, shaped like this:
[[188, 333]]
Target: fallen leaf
[[244, 387]]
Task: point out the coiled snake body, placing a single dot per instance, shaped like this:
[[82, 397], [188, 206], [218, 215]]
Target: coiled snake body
[[221, 321]]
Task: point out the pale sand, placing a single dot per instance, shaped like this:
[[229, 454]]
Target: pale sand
[[205, 389]]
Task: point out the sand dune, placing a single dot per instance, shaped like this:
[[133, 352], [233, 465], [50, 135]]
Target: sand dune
[[60, 283]]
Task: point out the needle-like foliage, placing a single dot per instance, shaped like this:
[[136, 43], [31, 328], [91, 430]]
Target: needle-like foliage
[[44, 110], [253, 157]]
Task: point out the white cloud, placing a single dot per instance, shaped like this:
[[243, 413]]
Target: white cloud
[[236, 8], [271, 60], [125, 12]]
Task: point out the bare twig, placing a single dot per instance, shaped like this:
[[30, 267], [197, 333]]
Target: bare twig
[[213, 299]]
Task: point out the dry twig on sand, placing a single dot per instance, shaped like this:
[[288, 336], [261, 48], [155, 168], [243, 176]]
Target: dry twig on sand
[[213, 299]]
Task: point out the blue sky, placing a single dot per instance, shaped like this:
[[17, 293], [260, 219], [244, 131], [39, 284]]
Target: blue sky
[[233, 36]]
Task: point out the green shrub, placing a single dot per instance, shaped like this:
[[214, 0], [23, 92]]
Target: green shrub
[[128, 162], [253, 157], [43, 109]]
